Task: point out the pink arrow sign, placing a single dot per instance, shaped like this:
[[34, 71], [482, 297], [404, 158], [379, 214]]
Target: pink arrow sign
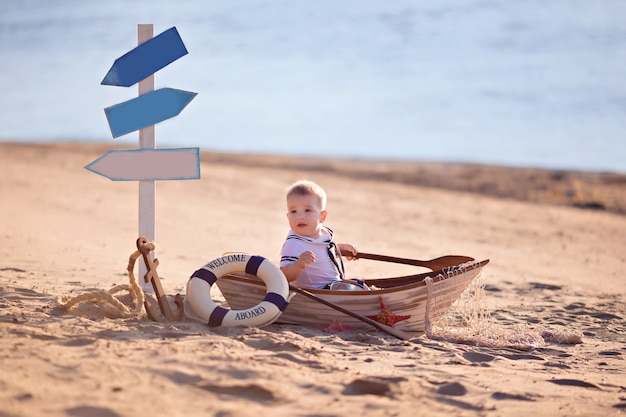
[[148, 164]]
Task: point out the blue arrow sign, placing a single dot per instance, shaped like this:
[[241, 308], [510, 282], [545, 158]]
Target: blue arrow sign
[[146, 110], [148, 164], [146, 59]]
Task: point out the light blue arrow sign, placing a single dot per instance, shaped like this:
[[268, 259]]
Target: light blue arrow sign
[[148, 164], [146, 59], [146, 110]]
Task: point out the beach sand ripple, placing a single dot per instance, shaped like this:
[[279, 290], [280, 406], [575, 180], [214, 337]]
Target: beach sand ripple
[[554, 269]]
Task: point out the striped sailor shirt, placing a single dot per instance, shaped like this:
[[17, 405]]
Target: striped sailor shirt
[[326, 267]]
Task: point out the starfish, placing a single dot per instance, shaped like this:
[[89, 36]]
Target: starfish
[[336, 326], [386, 316]]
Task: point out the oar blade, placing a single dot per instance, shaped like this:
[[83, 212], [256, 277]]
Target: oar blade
[[447, 261], [433, 264]]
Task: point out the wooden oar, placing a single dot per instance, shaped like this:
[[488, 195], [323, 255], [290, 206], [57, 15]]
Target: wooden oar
[[387, 329], [434, 264]]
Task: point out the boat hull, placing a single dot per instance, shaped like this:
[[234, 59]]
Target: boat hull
[[403, 296]]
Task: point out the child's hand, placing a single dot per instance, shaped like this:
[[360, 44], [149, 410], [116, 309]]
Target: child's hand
[[306, 257], [347, 249]]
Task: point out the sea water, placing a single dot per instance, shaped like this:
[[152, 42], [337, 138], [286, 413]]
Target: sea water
[[530, 83]]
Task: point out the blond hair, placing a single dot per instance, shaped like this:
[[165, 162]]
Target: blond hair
[[304, 187]]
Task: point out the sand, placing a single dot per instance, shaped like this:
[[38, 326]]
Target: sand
[[556, 242]]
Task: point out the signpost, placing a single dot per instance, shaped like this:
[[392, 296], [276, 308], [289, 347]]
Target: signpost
[[147, 164], [146, 110], [148, 57]]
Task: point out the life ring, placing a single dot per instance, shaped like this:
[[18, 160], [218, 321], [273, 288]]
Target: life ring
[[267, 311]]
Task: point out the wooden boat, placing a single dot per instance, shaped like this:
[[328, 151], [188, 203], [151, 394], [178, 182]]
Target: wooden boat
[[413, 295]]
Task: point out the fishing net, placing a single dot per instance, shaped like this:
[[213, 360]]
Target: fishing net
[[469, 321]]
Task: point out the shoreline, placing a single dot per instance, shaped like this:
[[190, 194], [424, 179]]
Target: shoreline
[[590, 190], [603, 191]]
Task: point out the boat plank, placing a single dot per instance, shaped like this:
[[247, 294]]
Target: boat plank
[[408, 297]]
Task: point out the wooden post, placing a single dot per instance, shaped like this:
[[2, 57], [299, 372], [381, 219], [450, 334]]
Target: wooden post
[[147, 189], [138, 67]]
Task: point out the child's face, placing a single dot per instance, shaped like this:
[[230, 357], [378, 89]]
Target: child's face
[[305, 215]]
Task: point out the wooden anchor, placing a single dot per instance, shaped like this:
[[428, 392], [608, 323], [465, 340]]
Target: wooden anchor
[[152, 276]]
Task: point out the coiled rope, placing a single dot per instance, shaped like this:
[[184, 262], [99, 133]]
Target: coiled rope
[[113, 305]]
